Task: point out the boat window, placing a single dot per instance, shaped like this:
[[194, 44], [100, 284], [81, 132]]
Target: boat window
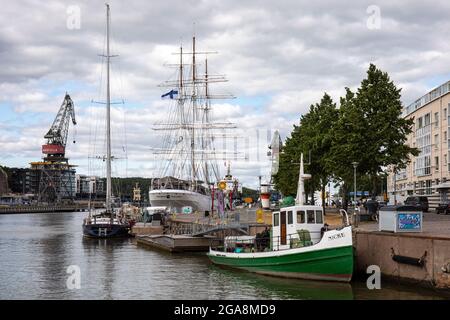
[[276, 219], [290, 218], [310, 216], [319, 216], [301, 216]]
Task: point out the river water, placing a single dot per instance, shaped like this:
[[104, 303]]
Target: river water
[[36, 251]]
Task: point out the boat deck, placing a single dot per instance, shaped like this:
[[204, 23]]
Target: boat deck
[[176, 243]]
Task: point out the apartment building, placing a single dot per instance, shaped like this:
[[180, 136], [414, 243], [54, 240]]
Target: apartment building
[[428, 173]]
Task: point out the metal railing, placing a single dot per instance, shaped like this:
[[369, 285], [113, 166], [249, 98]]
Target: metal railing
[[264, 244]]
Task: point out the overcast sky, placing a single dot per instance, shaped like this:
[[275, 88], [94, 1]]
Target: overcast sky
[[279, 56]]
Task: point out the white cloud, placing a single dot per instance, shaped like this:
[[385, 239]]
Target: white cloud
[[288, 52]]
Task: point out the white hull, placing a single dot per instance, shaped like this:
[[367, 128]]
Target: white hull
[[177, 199]]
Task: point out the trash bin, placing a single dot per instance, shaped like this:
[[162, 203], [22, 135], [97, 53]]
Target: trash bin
[[400, 218]]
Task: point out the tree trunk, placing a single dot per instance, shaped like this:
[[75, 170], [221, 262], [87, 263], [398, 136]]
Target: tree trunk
[[374, 186], [324, 186], [344, 197]]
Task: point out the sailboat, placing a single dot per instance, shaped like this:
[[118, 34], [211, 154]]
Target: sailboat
[[298, 245], [189, 168], [107, 224]]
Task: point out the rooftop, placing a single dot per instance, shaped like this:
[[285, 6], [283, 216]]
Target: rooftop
[[434, 94]]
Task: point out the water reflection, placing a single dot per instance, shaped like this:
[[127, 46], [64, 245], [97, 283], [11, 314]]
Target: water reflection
[[37, 249], [273, 287]]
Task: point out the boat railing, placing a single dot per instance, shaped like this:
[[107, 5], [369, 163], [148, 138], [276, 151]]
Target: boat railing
[[266, 244]]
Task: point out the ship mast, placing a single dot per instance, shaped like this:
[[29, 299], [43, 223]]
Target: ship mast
[[108, 121], [194, 105], [206, 120], [302, 176]]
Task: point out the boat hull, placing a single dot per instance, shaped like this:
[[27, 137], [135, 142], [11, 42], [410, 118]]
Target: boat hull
[[106, 230], [335, 264], [177, 199], [330, 259]]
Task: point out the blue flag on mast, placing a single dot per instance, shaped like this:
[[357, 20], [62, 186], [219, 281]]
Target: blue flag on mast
[[172, 94]]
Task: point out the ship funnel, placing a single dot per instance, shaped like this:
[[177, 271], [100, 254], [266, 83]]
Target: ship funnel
[[300, 199]]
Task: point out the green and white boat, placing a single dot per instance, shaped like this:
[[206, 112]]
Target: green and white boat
[[298, 245]]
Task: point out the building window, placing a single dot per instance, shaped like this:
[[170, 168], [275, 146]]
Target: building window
[[301, 216], [424, 142], [428, 186], [445, 113], [290, 217], [310, 216], [436, 119], [427, 120], [319, 218], [436, 140], [276, 219], [436, 163]]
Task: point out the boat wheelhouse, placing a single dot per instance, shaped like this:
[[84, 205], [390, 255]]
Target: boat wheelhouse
[[299, 245]]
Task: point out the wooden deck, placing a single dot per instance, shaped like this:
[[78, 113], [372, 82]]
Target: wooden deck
[[177, 243]]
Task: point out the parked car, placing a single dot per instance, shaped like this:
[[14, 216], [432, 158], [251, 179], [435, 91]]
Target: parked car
[[420, 201], [443, 208]]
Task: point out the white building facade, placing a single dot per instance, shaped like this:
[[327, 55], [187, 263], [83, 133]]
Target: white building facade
[[427, 174]]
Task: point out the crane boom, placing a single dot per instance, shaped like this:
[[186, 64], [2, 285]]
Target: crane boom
[[57, 134]]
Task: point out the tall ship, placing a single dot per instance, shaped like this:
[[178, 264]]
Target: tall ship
[[107, 223], [188, 170]]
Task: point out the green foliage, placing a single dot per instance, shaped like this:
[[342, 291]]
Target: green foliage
[[250, 193], [312, 137], [368, 128], [124, 186]]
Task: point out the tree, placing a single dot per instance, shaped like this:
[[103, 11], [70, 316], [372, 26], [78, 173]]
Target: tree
[[346, 146], [378, 99], [370, 131], [312, 137]]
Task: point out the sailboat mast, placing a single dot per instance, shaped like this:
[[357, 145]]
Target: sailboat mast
[[194, 98], [181, 72], [108, 121], [206, 120]]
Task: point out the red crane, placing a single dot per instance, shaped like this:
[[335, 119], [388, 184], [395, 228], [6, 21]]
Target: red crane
[[57, 135]]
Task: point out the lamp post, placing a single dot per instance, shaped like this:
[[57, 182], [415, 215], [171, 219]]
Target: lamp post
[[395, 186], [355, 165]]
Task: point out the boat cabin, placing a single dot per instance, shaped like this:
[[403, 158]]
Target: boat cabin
[[296, 226]]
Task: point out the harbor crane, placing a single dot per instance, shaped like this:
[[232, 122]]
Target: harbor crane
[[57, 135], [55, 176]]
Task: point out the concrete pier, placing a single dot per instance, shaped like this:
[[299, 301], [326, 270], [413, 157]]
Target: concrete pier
[[413, 257], [176, 243], [421, 258], [141, 228], [41, 209]]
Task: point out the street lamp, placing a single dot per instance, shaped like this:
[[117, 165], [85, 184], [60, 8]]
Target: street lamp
[[355, 165]]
